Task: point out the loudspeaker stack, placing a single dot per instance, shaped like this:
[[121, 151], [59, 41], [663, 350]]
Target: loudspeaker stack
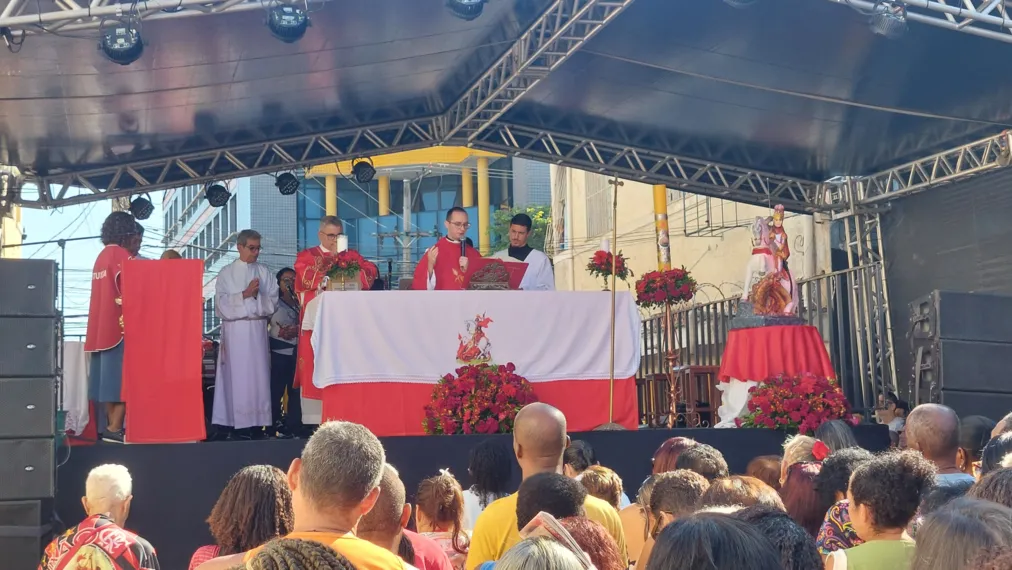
[[29, 359], [962, 352]]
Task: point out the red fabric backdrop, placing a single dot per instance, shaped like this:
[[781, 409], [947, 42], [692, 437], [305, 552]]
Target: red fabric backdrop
[[162, 317], [397, 408], [763, 352]]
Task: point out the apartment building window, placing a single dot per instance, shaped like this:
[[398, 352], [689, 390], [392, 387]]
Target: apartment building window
[[599, 204], [226, 221], [217, 230], [233, 214]]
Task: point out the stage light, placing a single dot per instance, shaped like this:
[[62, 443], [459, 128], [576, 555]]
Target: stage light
[[287, 23], [141, 208], [217, 195], [363, 171], [120, 41], [888, 19], [287, 184], [466, 9]]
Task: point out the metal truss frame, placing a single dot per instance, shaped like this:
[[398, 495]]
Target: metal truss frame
[[651, 166], [948, 166], [988, 19], [231, 161], [50, 16], [560, 30]]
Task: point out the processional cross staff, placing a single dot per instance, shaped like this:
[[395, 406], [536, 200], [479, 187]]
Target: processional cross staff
[[615, 182]]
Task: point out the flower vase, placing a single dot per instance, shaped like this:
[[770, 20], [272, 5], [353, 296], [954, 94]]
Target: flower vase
[[606, 288]]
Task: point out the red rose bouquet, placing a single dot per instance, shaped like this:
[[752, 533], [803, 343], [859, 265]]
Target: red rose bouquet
[[600, 265], [659, 288], [799, 403], [482, 398], [346, 265]]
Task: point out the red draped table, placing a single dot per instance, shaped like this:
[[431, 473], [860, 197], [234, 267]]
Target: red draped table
[[764, 352]]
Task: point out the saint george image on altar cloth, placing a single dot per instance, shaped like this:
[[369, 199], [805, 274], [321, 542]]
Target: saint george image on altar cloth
[[448, 264], [540, 275]]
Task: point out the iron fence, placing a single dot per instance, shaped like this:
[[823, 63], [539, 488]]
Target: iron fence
[[843, 307]]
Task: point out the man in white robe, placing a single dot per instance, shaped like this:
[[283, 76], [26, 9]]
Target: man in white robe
[[246, 295], [540, 275]]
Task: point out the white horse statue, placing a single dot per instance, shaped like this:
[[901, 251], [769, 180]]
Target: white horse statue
[[770, 291]]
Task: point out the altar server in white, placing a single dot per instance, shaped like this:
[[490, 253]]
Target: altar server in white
[[246, 295], [540, 275]]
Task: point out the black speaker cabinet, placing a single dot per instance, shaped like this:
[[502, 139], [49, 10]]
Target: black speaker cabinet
[[27, 407], [25, 531], [27, 469], [962, 316], [987, 404], [27, 347], [27, 288]]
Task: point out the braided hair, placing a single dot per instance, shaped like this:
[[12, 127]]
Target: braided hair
[[293, 554], [118, 228], [441, 500], [255, 507]]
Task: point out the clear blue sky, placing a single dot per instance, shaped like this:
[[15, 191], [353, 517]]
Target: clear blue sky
[[83, 220]]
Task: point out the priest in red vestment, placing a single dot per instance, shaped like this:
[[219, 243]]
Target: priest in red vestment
[[310, 270], [446, 266]]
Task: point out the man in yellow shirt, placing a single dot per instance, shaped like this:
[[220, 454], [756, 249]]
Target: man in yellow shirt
[[539, 440], [334, 483]]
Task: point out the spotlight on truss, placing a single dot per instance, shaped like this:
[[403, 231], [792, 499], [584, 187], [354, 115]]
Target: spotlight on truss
[[466, 9], [888, 19], [120, 41], [287, 23], [141, 208], [287, 184], [363, 170], [217, 195]]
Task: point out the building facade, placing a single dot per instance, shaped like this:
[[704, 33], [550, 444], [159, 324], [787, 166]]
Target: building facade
[[199, 231], [10, 234]]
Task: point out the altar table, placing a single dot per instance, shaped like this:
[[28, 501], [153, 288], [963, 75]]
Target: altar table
[[378, 355]]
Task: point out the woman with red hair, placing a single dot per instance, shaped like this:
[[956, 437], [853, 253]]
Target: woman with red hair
[[801, 500], [667, 454], [596, 542]]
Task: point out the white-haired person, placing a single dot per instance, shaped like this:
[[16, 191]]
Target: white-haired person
[[100, 541]]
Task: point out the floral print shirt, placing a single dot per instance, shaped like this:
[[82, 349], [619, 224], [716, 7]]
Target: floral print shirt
[[98, 543], [837, 532]]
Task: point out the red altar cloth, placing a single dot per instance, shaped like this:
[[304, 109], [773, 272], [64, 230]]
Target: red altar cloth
[[763, 352], [398, 408]]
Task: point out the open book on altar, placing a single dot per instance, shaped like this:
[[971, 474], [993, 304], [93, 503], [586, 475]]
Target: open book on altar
[[514, 269]]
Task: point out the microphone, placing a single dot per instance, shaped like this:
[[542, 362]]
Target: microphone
[[463, 248]]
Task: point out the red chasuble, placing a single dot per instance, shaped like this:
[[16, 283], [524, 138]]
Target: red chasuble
[[104, 313], [310, 269], [447, 269]]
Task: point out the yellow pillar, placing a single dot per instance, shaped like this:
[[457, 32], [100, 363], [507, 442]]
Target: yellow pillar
[[466, 188], [484, 241], [661, 227], [384, 195], [331, 187]]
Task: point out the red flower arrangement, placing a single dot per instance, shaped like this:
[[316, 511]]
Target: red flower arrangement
[[659, 288], [482, 398], [799, 403], [346, 264], [600, 266]]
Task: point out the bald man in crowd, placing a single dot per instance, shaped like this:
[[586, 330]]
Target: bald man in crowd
[[539, 440], [1003, 425], [933, 430], [385, 525]]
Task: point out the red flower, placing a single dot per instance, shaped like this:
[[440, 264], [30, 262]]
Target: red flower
[[803, 403], [477, 399]]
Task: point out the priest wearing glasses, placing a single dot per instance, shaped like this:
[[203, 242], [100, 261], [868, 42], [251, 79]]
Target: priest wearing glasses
[[540, 275], [447, 265]]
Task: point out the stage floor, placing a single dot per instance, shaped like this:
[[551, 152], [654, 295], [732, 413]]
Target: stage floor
[[175, 486]]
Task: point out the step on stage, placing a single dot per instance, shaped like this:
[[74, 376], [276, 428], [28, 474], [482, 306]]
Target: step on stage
[[175, 486]]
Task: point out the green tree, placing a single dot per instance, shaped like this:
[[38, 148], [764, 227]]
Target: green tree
[[541, 216]]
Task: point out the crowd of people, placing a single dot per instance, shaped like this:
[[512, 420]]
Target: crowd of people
[[265, 360], [941, 500]]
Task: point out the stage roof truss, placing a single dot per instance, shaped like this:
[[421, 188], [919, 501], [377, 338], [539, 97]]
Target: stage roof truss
[[649, 166], [987, 19], [561, 30], [230, 162], [948, 166], [48, 16]]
